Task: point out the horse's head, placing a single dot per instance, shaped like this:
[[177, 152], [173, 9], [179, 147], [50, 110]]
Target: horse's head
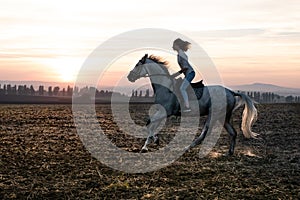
[[138, 71]]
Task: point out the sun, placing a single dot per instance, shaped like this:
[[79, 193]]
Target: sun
[[65, 68], [66, 75]]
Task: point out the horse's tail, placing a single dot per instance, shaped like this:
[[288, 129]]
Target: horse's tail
[[249, 115]]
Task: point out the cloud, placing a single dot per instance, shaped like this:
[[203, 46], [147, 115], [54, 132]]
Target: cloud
[[26, 55], [229, 33], [232, 31], [291, 34]]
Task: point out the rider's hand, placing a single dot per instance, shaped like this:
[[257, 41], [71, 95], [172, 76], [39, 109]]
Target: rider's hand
[[183, 70]]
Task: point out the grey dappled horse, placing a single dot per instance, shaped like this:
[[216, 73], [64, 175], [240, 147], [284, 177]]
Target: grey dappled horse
[[163, 86]]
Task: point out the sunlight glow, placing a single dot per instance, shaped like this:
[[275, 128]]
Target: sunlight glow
[[66, 68]]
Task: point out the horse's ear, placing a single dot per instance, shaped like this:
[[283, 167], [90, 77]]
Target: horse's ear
[[146, 55]]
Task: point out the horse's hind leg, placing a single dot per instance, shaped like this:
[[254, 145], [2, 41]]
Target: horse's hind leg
[[232, 133], [202, 135]]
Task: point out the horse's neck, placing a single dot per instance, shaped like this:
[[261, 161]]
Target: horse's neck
[[158, 76]]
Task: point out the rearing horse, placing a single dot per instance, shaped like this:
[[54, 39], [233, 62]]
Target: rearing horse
[[163, 87]]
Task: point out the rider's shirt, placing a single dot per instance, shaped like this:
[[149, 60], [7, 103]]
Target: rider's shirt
[[183, 62]]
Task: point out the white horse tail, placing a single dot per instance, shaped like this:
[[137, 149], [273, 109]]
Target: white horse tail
[[249, 115]]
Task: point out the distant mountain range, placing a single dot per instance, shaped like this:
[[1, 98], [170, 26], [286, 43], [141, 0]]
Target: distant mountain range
[[263, 87], [258, 87]]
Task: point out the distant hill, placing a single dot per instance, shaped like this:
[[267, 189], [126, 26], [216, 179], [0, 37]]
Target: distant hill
[[263, 87]]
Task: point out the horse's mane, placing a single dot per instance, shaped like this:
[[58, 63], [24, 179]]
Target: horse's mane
[[161, 62]]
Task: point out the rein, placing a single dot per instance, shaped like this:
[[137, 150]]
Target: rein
[[148, 76], [168, 75], [171, 77]]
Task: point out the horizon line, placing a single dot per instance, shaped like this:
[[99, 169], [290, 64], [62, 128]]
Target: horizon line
[[86, 84]]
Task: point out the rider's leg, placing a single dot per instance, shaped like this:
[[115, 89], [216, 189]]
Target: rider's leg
[[186, 82]]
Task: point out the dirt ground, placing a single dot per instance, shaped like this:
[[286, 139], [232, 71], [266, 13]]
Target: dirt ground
[[42, 157]]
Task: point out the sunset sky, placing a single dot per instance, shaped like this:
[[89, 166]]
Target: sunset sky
[[249, 41]]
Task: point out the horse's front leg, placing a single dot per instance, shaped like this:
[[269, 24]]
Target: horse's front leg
[[152, 125], [151, 130]]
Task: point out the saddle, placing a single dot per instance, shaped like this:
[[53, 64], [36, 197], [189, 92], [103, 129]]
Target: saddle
[[199, 84], [194, 92]]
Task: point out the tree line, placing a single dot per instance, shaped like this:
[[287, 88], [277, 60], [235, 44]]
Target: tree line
[[30, 91], [7, 89], [270, 97], [24, 90]]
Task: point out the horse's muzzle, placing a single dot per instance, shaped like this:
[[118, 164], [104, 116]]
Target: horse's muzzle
[[132, 77]]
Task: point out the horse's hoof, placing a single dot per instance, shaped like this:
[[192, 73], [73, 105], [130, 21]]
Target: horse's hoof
[[156, 141], [187, 148], [144, 150], [228, 154]]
